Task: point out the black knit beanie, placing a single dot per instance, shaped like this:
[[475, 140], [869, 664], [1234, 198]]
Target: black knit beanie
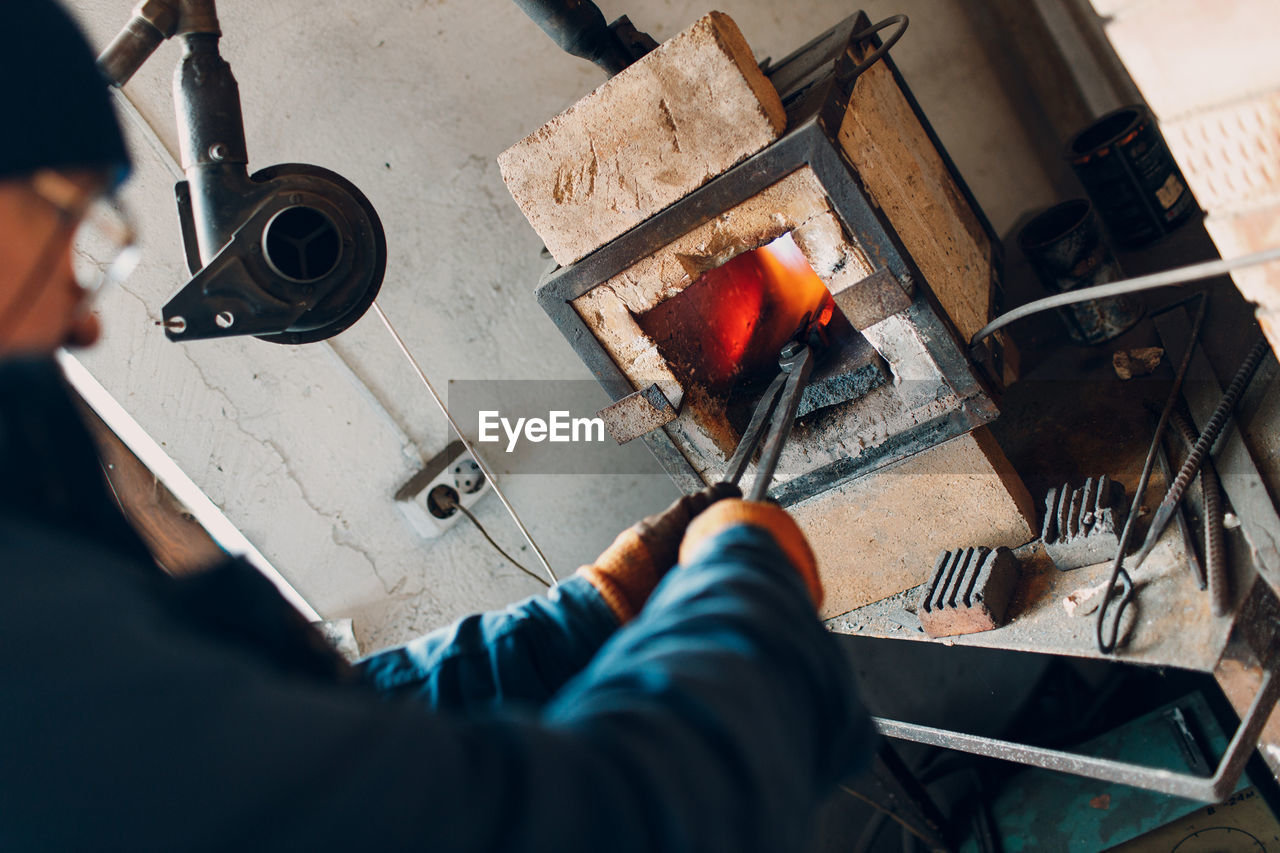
[[57, 110]]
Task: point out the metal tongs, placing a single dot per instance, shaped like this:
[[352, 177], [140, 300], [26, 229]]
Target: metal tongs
[[778, 408]]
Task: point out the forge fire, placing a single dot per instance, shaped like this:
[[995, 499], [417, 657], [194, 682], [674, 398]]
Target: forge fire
[[732, 321]]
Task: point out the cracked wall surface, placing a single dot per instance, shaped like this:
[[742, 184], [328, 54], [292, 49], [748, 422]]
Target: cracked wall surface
[[413, 100]]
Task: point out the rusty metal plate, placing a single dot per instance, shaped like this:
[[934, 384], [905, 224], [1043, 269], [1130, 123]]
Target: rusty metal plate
[[872, 299], [638, 414]]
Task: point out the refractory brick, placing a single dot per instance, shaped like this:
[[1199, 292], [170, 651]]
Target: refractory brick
[[680, 116], [968, 591]]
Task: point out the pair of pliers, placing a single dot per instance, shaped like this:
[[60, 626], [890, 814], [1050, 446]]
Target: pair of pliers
[[777, 408]]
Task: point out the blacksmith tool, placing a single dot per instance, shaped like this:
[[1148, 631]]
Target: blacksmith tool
[[1180, 516], [1215, 558], [1208, 437], [1120, 584], [777, 408]]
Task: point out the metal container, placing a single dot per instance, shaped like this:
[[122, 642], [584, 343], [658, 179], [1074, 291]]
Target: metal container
[[1126, 168], [1068, 251]]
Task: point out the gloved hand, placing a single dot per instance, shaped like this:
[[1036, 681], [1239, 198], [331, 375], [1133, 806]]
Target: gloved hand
[[631, 567], [770, 517]]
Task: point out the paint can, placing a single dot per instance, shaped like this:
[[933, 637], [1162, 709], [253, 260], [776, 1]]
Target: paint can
[[1068, 251], [1125, 166]]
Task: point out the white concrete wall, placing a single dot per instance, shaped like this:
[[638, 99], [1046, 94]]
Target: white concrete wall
[[412, 100], [1220, 115]]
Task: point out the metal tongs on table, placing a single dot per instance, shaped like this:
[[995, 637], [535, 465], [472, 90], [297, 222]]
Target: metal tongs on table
[[777, 409]]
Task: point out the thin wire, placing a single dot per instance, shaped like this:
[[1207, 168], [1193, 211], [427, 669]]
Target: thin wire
[[1117, 568], [496, 546], [479, 460], [1180, 275], [880, 809]]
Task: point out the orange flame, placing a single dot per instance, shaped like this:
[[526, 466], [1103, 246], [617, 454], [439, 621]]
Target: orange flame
[[735, 318]]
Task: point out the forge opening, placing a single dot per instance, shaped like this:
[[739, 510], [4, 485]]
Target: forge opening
[[732, 322], [721, 336]]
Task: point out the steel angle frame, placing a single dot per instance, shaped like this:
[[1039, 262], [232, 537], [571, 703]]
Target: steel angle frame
[[1209, 789], [806, 145]]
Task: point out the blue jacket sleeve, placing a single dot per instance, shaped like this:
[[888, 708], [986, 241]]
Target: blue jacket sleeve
[[715, 721], [722, 716], [521, 655]]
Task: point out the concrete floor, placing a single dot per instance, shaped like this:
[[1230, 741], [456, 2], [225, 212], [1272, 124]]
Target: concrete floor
[[412, 100]]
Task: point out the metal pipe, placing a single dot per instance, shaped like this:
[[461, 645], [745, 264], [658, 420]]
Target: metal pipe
[[211, 137], [198, 16], [578, 26], [207, 101], [152, 22]]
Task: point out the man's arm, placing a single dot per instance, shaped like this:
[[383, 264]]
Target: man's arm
[[715, 721], [520, 655], [726, 710], [524, 654]]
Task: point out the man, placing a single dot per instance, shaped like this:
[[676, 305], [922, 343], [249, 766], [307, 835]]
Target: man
[[636, 707]]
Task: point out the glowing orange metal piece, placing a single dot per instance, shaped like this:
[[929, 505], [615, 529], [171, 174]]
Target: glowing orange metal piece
[[735, 318]]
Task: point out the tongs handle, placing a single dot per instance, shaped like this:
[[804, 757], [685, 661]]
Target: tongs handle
[[777, 408]]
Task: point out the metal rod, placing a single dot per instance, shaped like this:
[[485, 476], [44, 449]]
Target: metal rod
[[152, 22], [894, 791], [484, 466], [1208, 436], [1211, 789], [1181, 275], [849, 77], [797, 364], [1215, 557], [750, 440], [1198, 570]]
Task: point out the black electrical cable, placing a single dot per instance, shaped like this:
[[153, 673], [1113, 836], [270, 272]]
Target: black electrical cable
[[458, 506]]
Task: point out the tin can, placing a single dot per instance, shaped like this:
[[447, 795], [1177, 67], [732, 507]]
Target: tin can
[[1125, 166], [1068, 251]]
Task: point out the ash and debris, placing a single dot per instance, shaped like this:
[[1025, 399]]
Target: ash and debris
[[1136, 362], [851, 379], [897, 613]]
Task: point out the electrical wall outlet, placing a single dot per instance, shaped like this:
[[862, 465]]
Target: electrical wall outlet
[[431, 498]]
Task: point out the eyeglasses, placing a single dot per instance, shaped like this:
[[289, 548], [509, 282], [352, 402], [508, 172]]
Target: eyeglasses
[[104, 247]]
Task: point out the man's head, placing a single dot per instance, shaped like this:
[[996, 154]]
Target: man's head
[[61, 150]]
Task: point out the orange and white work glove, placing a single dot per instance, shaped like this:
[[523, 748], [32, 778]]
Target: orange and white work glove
[[771, 518], [640, 557]]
